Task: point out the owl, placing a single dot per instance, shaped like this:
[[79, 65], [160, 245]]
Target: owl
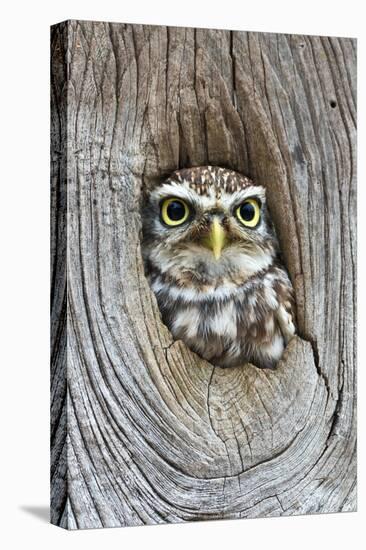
[[213, 261]]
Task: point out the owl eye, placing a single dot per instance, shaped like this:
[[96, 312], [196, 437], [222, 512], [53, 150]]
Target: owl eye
[[248, 213], [174, 211]]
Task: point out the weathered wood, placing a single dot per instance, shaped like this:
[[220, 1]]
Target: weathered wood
[[143, 431]]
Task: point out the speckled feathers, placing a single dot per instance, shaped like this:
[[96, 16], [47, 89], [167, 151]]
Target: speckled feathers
[[208, 179], [232, 310]]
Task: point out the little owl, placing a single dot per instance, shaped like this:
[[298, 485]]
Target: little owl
[[213, 261]]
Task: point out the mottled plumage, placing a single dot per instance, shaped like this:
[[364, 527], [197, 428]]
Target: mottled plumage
[[212, 259]]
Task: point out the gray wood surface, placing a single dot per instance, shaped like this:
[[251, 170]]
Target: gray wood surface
[[143, 431]]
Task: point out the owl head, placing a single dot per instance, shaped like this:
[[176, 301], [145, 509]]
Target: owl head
[[207, 225]]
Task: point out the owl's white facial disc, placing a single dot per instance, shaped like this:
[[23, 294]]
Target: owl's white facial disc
[[182, 251]]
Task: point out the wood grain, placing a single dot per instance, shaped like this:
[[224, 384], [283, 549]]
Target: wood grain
[[143, 430]]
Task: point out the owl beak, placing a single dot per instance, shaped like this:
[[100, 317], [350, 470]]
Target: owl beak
[[216, 238]]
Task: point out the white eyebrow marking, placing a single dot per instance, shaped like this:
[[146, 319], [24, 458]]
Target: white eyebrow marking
[[228, 199], [174, 189], [213, 196]]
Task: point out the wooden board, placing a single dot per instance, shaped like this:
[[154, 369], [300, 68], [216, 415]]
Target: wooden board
[[143, 430]]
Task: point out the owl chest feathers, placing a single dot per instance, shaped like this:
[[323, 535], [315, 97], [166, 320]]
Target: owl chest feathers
[[230, 324]]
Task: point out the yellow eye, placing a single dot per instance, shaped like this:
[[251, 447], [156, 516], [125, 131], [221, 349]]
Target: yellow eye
[[248, 213], [174, 211]]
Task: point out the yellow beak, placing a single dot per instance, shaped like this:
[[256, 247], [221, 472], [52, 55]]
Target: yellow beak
[[216, 238]]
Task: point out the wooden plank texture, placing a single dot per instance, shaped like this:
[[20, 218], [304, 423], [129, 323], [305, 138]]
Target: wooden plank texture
[[144, 431]]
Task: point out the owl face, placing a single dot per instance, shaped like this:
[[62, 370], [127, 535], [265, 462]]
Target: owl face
[[207, 225]]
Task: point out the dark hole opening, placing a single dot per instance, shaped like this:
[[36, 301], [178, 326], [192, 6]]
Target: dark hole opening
[[333, 104]]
